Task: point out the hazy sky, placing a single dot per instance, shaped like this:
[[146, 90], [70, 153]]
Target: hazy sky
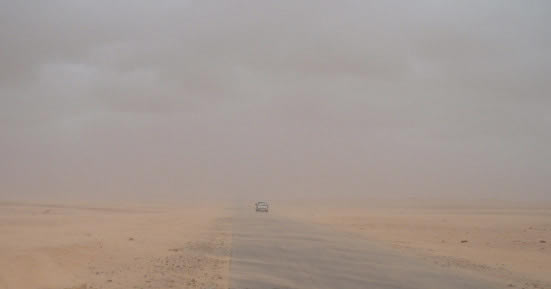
[[158, 99]]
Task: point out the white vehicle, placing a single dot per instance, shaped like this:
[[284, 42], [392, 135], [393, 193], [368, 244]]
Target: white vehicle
[[262, 207]]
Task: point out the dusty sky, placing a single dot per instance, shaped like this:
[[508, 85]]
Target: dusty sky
[[165, 99]]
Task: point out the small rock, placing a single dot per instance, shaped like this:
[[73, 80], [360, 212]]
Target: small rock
[[130, 239], [543, 241], [464, 241]]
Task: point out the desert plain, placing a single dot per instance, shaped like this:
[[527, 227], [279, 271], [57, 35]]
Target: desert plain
[[188, 245], [117, 246]]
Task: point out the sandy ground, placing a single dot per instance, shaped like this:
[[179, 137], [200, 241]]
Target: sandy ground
[[57, 247], [188, 246], [505, 241]]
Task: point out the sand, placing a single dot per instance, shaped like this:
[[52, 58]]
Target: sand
[[67, 246], [188, 246], [505, 241]]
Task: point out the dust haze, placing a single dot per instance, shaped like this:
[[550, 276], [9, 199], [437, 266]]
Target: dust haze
[[173, 100]]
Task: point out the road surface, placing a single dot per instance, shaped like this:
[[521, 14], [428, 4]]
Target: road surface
[[271, 251]]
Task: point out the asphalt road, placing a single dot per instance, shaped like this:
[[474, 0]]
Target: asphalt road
[[271, 251]]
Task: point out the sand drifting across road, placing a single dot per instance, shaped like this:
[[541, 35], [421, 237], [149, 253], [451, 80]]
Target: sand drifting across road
[[189, 245], [62, 246], [506, 241]]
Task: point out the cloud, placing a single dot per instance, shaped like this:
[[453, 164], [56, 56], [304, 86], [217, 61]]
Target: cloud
[[360, 97]]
